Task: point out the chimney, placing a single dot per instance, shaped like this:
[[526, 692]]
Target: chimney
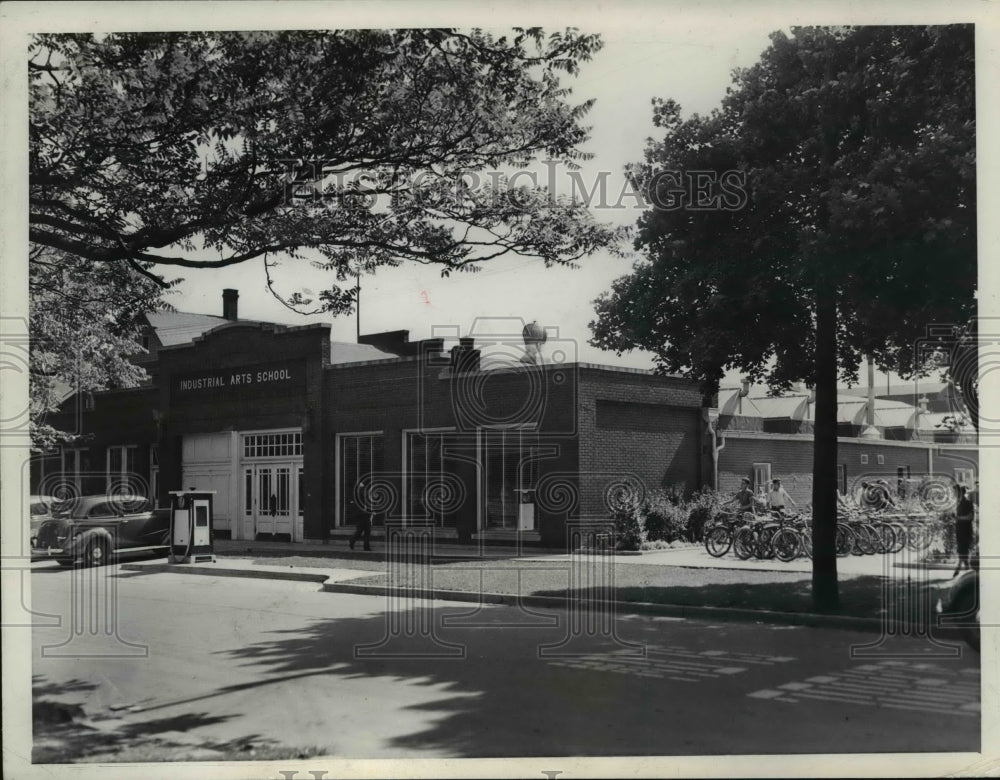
[[465, 356], [230, 299]]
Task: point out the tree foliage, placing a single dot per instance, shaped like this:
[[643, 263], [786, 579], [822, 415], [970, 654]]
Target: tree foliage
[[856, 233], [858, 147], [350, 149], [84, 324]]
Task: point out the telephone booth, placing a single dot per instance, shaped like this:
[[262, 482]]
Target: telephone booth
[[191, 526]]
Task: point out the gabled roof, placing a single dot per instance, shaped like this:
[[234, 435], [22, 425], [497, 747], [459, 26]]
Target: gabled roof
[[345, 352], [730, 403], [792, 407], [177, 327], [913, 389], [891, 414], [894, 417]]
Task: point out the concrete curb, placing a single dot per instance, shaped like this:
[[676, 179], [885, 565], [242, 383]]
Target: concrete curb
[[732, 614], [264, 574], [623, 607]]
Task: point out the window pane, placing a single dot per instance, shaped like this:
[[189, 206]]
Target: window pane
[[115, 461]]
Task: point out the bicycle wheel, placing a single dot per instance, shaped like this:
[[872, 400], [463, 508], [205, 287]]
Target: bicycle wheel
[[898, 537], [845, 540], [764, 550], [785, 544], [718, 540], [884, 537], [806, 542], [743, 545], [924, 538], [868, 541], [861, 541]]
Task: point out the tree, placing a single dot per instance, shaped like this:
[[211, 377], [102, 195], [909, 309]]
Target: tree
[[84, 322], [350, 149], [835, 220]]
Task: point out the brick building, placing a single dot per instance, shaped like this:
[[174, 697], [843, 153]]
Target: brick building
[[285, 425], [297, 434]]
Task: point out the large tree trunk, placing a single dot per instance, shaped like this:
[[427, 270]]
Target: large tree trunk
[[826, 597]]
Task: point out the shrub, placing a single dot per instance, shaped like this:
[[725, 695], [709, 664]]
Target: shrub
[[703, 506], [665, 516], [630, 530]]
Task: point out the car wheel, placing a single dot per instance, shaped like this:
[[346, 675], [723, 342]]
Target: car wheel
[[97, 553]]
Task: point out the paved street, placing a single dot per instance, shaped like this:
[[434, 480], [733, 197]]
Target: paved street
[[248, 662]]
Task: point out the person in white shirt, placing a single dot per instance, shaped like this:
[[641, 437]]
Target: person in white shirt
[[778, 497]]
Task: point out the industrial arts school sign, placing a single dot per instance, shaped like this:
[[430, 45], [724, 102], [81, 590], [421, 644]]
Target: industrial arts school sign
[[245, 379]]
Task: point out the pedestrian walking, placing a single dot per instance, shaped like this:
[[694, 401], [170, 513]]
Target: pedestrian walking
[[965, 513], [363, 527]]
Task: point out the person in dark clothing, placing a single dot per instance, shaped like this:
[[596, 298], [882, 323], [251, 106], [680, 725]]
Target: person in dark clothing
[[964, 515], [743, 498], [363, 529]]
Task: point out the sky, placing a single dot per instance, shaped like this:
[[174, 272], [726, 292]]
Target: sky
[[652, 48], [691, 63]]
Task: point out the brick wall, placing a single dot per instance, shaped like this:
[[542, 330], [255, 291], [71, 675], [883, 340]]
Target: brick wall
[[116, 418], [290, 403], [645, 426], [418, 394], [791, 460]]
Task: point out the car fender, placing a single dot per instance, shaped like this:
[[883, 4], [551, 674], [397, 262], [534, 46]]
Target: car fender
[[82, 539]]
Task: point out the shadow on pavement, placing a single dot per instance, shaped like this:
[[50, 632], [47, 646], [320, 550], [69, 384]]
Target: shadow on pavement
[[501, 699]]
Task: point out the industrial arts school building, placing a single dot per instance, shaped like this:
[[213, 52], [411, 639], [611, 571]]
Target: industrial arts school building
[[486, 436]]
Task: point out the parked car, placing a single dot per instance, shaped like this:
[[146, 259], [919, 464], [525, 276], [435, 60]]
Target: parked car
[[960, 606], [40, 509], [94, 530]]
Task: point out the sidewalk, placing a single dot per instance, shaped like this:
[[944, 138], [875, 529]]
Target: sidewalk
[[683, 581]]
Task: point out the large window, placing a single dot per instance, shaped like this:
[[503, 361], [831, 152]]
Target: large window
[[360, 456], [966, 477], [510, 473], [75, 462], [121, 476], [272, 445], [761, 477]]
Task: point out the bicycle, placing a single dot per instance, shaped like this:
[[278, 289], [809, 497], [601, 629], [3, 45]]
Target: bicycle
[[792, 539], [755, 539], [718, 536]]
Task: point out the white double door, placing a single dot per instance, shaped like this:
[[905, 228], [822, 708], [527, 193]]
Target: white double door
[[271, 498]]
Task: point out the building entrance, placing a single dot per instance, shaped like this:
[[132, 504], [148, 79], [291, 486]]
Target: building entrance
[[271, 468], [270, 498]]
